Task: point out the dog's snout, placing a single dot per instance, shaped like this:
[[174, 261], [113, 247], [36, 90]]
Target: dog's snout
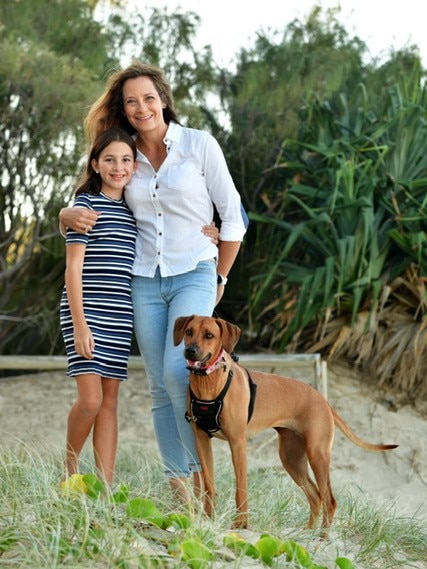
[[190, 352]]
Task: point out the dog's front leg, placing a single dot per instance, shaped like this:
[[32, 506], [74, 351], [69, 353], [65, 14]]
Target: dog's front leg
[[239, 457], [205, 452]]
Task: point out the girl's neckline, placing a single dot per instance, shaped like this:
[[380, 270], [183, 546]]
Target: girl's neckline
[[110, 198]]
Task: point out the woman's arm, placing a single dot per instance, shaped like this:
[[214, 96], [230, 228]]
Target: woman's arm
[[227, 253], [81, 219], [83, 339]]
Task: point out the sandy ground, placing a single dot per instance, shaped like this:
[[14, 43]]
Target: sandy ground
[[34, 408]]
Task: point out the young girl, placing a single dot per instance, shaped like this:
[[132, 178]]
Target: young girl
[[96, 306]]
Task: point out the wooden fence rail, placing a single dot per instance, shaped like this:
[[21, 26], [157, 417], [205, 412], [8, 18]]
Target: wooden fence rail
[[270, 361]]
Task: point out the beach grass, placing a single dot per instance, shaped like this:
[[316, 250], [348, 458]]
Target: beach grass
[[137, 524]]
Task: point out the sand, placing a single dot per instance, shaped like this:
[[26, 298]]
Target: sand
[[34, 408]]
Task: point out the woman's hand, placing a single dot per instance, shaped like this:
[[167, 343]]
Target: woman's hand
[[211, 231], [80, 219]]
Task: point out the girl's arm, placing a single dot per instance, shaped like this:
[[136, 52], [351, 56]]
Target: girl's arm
[[212, 232], [83, 339]]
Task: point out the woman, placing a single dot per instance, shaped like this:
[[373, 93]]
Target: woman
[[181, 176]]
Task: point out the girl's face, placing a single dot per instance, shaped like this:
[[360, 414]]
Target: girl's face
[[115, 165], [142, 105]]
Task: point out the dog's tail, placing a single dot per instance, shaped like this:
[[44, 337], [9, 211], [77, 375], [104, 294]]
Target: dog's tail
[[345, 429]]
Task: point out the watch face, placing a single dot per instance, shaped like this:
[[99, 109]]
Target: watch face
[[221, 280]]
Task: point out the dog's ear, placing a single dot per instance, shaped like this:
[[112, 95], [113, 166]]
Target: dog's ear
[[230, 334], [180, 325]]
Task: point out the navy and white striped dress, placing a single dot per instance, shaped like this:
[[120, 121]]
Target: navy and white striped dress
[[106, 278]]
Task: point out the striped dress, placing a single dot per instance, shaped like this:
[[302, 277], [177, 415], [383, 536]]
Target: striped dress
[[109, 256]]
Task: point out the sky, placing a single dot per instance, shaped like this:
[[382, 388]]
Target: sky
[[228, 25]]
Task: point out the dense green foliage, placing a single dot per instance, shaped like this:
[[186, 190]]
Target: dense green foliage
[[44, 87], [326, 147], [345, 235], [54, 57]]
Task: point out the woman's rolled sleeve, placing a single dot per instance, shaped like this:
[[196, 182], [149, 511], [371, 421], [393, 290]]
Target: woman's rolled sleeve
[[232, 231]]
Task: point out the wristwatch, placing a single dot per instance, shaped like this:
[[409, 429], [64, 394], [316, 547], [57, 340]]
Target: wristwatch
[[221, 280]]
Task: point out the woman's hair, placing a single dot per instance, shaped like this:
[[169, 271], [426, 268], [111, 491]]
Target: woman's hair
[[90, 182], [107, 111]]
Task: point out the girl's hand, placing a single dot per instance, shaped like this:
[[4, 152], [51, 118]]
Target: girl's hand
[[211, 231], [84, 342]]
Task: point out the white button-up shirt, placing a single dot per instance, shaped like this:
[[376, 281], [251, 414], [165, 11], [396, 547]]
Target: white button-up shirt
[[171, 205]]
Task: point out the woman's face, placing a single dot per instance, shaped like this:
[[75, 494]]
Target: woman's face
[[142, 105]]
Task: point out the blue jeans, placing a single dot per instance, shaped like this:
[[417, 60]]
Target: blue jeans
[[157, 303]]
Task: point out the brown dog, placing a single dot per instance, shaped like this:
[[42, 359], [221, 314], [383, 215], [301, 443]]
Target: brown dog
[[230, 403]]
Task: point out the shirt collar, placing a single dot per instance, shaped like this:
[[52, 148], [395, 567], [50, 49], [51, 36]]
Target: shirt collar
[[173, 134]]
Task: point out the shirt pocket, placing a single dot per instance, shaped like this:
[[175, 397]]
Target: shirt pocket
[[183, 177]]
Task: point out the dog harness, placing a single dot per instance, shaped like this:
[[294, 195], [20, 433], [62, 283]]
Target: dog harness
[[206, 414]]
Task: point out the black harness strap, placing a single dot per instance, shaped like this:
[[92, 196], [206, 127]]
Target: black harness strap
[[252, 389], [207, 413]]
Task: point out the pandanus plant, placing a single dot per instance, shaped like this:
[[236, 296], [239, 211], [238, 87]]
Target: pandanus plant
[[342, 257]]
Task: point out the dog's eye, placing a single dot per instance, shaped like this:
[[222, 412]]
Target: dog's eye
[[188, 332], [209, 335]]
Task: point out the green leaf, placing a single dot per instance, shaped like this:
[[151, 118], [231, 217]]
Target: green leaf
[[95, 486], [122, 495], [195, 553], [296, 552], [269, 547], [237, 544], [344, 563], [143, 509], [180, 521]]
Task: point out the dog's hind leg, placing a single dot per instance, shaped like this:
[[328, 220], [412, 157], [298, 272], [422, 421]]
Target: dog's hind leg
[[320, 460], [294, 459]]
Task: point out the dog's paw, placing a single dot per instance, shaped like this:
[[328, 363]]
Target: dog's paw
[[241, 522]]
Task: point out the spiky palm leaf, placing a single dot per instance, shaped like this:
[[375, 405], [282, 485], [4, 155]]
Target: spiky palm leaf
[[350, 226]]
